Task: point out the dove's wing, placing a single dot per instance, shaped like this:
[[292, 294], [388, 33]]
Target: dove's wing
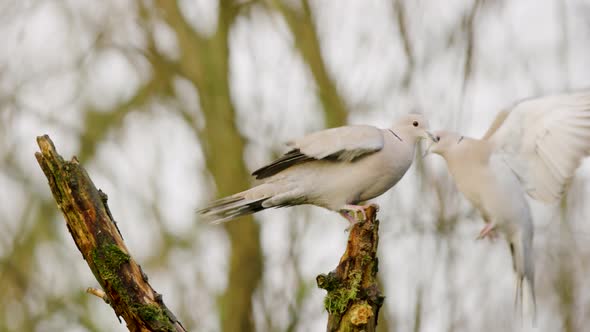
[[342, 144], [498, 121], [544, 140]]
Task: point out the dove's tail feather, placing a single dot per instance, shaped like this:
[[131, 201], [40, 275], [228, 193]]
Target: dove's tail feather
[[522, 258], [529, 270], [240, 204], [231, 207]]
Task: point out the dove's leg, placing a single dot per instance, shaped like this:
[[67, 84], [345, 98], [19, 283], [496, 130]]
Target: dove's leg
[[489, 230], [350, 211], [348, 217]]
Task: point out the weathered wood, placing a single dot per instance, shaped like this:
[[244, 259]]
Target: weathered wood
[[353, 300], [96, 235]]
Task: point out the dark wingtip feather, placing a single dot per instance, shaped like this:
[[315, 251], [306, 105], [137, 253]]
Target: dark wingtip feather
[[289, 159]]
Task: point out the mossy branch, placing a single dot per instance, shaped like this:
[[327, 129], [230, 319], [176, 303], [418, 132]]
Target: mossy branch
[[353, 300], [97, 237]]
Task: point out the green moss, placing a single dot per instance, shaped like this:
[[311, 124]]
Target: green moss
[[328, 281], [154, 316], [148, 312], [108, 259], [111, 256], [337, 301]]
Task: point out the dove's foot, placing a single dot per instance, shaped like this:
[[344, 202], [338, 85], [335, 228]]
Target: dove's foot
[[355, 213], [488, 231]]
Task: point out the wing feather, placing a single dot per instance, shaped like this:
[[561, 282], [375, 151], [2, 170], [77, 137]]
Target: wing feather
[[498, 121], [341, 144], [545, 140]]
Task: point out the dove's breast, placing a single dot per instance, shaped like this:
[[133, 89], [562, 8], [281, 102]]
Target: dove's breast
[[384, 169], [493, 188]]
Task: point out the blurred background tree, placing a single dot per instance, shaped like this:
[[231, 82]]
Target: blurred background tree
[[172, 103]]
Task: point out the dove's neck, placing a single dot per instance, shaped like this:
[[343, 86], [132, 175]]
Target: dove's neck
[[405, 134], [468, 151], [468, 163]]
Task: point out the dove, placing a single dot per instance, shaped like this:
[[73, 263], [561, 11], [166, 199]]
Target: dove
[[336, 168], [531, 150]]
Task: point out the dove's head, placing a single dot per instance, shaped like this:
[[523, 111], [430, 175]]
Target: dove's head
[[414, 125], [444, 142]]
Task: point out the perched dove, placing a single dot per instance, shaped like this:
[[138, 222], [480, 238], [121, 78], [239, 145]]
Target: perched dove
[[532, 149], [335, 168]]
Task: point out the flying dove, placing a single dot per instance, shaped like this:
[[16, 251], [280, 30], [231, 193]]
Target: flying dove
[[531, 149], [335, 169]]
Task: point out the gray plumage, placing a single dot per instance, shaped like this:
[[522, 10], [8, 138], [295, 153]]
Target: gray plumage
[[334, 168]]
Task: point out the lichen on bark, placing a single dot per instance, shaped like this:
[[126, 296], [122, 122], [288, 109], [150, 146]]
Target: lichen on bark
[[353, 299]]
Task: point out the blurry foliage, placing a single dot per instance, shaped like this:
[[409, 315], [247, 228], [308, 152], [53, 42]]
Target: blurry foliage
[[170, 104]]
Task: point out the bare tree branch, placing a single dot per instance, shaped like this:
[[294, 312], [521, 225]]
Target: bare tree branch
[[97, 236], [204, 61], [303, 30], [469, 29], [402, 25]]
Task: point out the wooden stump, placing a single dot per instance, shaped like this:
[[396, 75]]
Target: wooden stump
[[353, 300]]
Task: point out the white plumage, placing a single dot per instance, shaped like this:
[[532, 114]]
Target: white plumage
[[532, 149], [544, 140]]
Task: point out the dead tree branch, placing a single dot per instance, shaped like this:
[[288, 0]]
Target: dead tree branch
[[353, 300], [97, 237]]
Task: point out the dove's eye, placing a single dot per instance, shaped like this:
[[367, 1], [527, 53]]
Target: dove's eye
[[437, 138], [415, 124]]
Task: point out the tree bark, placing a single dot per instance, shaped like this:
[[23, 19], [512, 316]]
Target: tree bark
[[304, 32], [353, 300], [204, 61], [96, 235]]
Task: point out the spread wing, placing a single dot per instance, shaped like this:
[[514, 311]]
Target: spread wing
[[544, 141], [341, 144], [498, 121]]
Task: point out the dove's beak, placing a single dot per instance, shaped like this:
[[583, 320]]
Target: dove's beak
[[431, 136], [432, 141]]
